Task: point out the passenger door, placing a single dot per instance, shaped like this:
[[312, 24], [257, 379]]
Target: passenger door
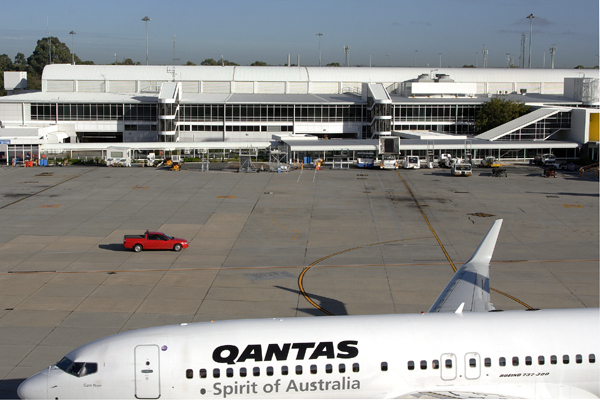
[[147, 372], [448, 366], [472, 366]]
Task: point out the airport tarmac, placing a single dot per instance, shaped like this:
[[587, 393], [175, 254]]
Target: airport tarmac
[[368, 242]]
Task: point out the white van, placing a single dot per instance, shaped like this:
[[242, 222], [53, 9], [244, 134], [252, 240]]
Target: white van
[[411, 162]]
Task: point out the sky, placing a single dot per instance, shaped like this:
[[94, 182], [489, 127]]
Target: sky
[[378, 32]]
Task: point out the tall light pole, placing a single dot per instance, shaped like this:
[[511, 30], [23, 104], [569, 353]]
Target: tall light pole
[[530, 17], [416, 51], [552, 53], [72, 33], [319, 35], [484, 51], [146, 19], [440, 54]]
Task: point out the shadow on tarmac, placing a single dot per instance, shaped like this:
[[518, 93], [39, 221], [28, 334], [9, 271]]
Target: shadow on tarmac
[[335, 307], [8, 388], [113, 247]]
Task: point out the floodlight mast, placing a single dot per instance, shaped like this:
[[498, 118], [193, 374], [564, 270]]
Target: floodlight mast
[[319, 35], [530, 17], [146, 19], [72, 33]]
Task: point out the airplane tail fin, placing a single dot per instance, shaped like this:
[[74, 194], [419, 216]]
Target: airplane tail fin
[[471, 282]]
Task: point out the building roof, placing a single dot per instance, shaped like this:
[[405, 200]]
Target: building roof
[[302, 74]]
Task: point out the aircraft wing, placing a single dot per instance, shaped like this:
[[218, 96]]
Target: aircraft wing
[[469, 288]]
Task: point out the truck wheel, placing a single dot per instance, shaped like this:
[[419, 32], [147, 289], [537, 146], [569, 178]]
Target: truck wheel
[[177, 247], [137, 248]]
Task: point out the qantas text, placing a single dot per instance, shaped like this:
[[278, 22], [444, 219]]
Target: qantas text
[[231, 354]]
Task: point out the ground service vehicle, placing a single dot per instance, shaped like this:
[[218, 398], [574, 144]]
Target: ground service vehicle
[[154, 241], [544, 159], [490, 162], [388, 162], [411, 162], [461, 169], [365, 160]]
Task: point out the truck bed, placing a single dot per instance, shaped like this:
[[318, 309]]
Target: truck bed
[[135, 236]]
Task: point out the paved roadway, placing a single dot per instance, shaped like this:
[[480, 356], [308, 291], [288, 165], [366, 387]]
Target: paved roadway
[[369, 236]]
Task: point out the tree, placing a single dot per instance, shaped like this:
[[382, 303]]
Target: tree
[[468, 66], [20, 62], [259, 64], [210, 61], [579, 67], [333, 65], [6, 63], [190, 63], [499, 111]]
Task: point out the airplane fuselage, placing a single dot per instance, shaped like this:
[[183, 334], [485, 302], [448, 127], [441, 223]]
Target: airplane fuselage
[[511, 353]]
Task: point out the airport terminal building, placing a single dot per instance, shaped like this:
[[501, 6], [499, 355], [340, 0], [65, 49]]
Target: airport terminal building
[[307, 110]]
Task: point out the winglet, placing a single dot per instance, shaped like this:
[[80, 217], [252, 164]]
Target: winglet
[[471, 282], [483, 255]]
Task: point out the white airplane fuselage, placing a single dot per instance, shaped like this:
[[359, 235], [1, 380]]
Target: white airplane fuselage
[[383, 356]]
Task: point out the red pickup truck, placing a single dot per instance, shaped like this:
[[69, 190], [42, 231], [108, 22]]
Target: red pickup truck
[[154, 241]]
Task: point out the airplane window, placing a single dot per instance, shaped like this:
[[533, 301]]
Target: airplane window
[[528, 360], [502, 362], [342, 368], [384, 366], [189, 373], [269, 371], [411, 365], [284, 370], [423, 364], [487, 362], [255, 371], [472, 362], [592, 358], [515, 361], [298, 369], [435, 364], [355, 367], [565, 359], [578, 359], [89, 368], [553, 360], [229, 372], [448, 363], [75, 368], [313, 369], [64, 364], [541, 360], [216, 373], [202, 373], [243, 372], [328, 369]]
